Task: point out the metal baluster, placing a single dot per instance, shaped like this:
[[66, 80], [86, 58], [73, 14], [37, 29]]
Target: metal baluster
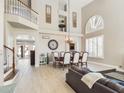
[[30, 15], [9, 9], [19, 12], [21, 9], [13, 6], [17, 7], [5, 6]]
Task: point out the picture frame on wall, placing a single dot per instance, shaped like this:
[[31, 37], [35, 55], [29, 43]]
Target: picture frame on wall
[[74, 19], [48, 14]]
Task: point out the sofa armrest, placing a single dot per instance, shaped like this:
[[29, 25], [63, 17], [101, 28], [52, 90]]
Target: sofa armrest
[[73, 78], [71, 71]]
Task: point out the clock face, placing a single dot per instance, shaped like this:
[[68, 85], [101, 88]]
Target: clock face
[[53, 44]]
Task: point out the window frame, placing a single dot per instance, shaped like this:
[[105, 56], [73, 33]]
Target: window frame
[[97, 45], [91, 21]]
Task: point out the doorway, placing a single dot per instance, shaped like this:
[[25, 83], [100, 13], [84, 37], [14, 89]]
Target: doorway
[[72, 46], [24, 45]]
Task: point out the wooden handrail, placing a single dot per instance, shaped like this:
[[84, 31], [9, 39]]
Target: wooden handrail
[[13, 51], [8, 47], [28, 6]]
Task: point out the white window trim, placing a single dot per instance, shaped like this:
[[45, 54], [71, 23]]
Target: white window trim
[[97, 48]]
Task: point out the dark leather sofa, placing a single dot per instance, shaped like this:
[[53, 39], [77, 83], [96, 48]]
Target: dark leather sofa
[[73, 78]]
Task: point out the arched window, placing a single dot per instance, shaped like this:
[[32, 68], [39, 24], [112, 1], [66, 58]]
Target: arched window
[[95, 23], [95, 43]]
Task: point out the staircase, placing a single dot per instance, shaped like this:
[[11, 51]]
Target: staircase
[[9, 64]]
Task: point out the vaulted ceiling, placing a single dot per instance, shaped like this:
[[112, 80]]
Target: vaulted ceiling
[[76, 3], [80, 3]]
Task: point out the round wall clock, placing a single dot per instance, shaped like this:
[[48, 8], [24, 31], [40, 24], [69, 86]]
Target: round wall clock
[[53, 44]]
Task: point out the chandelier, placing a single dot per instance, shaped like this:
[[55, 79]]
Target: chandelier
[[68, 39]]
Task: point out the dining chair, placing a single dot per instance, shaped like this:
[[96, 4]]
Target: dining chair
[[67, 59], [62, 54], [81, 53], [55, 58], [56, 54], [84, 59], [76, 57]]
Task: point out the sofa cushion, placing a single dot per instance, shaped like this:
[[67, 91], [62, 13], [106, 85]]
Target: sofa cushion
[[103, 81], [122, 83], [115, 86], [81, 70]]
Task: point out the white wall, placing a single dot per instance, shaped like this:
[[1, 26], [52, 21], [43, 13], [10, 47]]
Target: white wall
[[62, 45], [1, 39], [75, 8], [39, 6], [113, 16], [8, 39], [54, 23], [42, 44]]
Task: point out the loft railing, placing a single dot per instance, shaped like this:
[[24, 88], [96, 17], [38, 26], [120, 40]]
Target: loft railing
[[17, 7], [9, 62]]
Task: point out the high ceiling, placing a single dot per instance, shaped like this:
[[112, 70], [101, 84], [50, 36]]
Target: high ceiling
[[76, 3], [80, 3]]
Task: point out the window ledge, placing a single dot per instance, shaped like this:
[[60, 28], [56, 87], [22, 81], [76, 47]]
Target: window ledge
[[97, 58]]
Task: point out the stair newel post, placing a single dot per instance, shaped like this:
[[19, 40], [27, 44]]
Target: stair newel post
[[13, 60]]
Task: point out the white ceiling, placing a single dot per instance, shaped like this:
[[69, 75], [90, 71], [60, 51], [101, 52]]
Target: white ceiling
[[80, 3], [76, 3]]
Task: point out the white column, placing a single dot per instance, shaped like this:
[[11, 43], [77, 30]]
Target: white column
[[37, 49], [1, 39]]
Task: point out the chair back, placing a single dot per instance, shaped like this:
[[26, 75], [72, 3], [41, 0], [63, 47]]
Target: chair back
[[53, 58], [85, 57], [56, 54], [67, 58], [62, 54], [76, 57], [81, 53]]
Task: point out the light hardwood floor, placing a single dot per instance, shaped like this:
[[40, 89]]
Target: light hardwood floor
[[45, 79]]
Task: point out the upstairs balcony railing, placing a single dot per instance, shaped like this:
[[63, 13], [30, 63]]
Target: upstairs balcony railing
[[17, 7]]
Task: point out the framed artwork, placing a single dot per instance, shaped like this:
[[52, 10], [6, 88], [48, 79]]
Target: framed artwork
[[74, 19], [48, 14]]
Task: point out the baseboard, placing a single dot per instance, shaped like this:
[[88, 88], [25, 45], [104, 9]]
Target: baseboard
[[7, 73]]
